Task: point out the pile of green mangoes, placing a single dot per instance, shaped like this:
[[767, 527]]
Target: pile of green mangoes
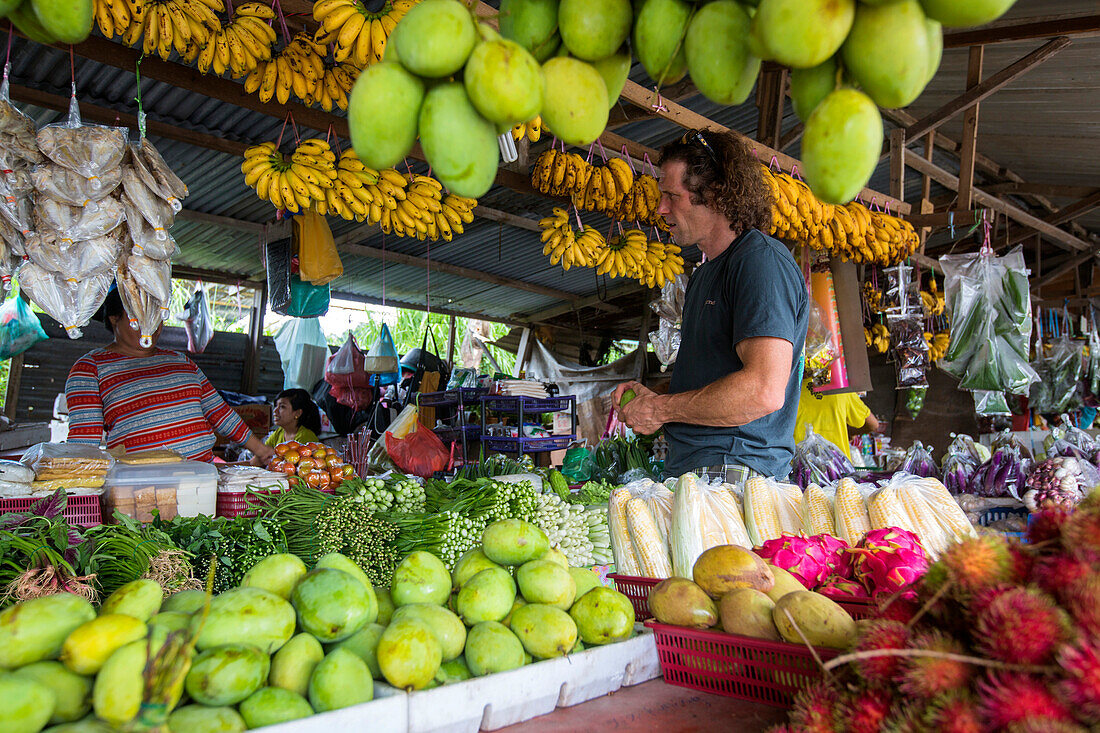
[[50, 21], [291, 642]]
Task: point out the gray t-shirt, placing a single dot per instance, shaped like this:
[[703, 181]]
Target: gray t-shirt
[[753, 289]]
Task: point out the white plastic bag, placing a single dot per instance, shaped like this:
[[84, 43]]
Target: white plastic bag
[[198, 324], [302, 349], [72, 303], [90, 150], [703, 516], [77, 223], [78, 259], [70, 187]]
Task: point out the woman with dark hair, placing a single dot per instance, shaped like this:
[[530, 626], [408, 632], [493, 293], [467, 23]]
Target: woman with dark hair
[[296, 417], [143, 398]]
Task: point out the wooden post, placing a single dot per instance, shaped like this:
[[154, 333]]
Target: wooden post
[[897, 163], [451, 344], [769, 102], [970, 131], [250, 380], [523, 352]]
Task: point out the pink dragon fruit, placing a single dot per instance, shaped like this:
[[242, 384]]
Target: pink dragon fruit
[[888, 560], [839, 554], [838, 587], [803, 557]]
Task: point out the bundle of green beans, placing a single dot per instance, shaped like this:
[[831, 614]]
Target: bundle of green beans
[[296, 511], [121, 552]]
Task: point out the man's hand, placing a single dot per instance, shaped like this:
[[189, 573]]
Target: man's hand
[[642, 413]]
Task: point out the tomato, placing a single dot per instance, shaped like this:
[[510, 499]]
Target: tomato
[[324, 481], [287, 468], [313, 480], [347, 470], [282, 448], [293, 445], [315, 446], [332, 461], [337, 479], [321, 452], [292, 457]]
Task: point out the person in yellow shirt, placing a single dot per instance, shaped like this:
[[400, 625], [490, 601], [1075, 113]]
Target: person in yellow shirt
[[833, 417]]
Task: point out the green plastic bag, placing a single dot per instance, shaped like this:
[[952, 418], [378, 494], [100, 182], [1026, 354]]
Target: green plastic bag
[[20, 328], [577, 465]]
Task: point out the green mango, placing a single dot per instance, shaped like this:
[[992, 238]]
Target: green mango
[[72, 692], [491, 647], [435, 38], [69, 21], [603, 616], [87, 648], [184, 601], [488, 596], [139, 598], [445, 626], [456, 670], [518, 603], [544, 631], [336, 561], [227, 674], [543, 581], [841, 145], [461, 146], [28, 704], [409, 654], [120, 686], [88, 725], [339, 681], [333, 605], [246, 616], [810, 86], [802, 33], [658, 39], [385, 605], [470, 564], [293, 665], [170, 621], [965, 13], [272, 705], [614, 70], [594, 29], [364, 643], [421, 578], [514, 541], [34, 630], [26, 20], [504, 82], [532, 24], [935, 47], [718, 56], [194, 718], [277, 573], [383, 110], [585, 581], [887, 52]]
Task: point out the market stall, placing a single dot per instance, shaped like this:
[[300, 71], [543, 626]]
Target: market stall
[[470, 549]]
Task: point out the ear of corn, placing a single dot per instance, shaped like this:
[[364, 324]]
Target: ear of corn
[[650, 551], [950, 515], [817, 512], [789, 507], [923, 520], [761, 511], [852, 522], [884, 508], [729, 527], [621, 547]]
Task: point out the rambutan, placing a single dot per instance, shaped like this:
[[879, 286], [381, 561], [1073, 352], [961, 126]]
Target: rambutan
[[864, 711], [926, 677], [815, 709], [1081, 535], [1082, 599], [1080, 689], [953, 712], [881, 634], [1022, 561], [971, 565], [1008, 698], [1045, 726], [1055, 573], [1046, 524], [896, 608], [1021, 626]]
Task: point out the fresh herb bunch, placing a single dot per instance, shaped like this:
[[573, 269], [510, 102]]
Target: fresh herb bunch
[[347, 526], [615, 456], [238, 544], [595, 492]]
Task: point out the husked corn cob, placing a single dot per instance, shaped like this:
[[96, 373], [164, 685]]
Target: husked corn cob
[[884, 509], [923, 520], [789, 508], [761, 511], [817, 512], [730, 527], [626, 563], [951, 516], [852, 522], [649, 549]]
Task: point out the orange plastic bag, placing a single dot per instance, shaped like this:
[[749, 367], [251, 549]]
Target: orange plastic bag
[[420, 452], [318, 260]]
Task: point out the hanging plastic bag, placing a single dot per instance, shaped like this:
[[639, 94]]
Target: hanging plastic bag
[[818, 461], [302, 350], [381, 359], [69, 187], [909, 349], [77, 223], [669, 308], [20, 328], [703, 516], [197, 322], [156, 174], [277, 264], [319, 262], [72, 303], [146, 312], [18, 144], [142, 202], [821, 344], [90, 150], [153, 276], [76, 259], [420, 452], [350, 384], [306, 299]]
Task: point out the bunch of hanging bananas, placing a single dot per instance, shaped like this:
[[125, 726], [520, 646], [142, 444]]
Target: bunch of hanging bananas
[[796, 213], [160, 25], [360, 35], [293, 183], [937, 344], [896, 238], [532, 130], [662, 263], [408, 207], [240, 45], [640, 203], [877, 338], [298, 68], [564, 245], [592, 187], [872, 296], [932, 300]]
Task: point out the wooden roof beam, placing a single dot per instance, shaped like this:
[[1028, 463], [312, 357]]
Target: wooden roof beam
[[1041, 189], [985, 88], [1061, 216], [1023, 29], [592, 301], [507, 320], [1068, 264]]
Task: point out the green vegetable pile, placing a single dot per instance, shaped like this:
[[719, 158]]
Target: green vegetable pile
[[395, 493], [234, 544], [347, 526], [595, 492]]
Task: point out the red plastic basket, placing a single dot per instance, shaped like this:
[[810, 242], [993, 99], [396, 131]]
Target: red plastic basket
[[240, 503], [637, 590], [81, 510], [857, 607], [768, 672]]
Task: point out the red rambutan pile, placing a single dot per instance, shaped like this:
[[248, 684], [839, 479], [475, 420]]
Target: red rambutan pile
[[1080, 688], [1021, 626], [864, 711], [1081, 535], [1055, 573], [1046, 525], [897, 608], [928, 676], [1082, 599], [815, 709], [881, 634], [954, 712], [971, 565], [1022, 562], [1045, 726], [1009, 697]]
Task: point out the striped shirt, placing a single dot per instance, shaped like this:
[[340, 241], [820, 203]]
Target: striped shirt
[[143, 402]]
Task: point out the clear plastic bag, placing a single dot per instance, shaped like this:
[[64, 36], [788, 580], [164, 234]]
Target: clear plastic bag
[[69, 187], [69, 458], [152, 276], [72, 303], [138, 198], [302, 350], [703, 516], [146, 312], [1062, 367], [151, 241], [918, 461], [19, 328], [166, 184], [817, 461], [77, 223], [771, 509], [18, 143], [990, 403], [909, 350], [669, 308], [90, 150], [821, 343], [76, 259], [197, 322]]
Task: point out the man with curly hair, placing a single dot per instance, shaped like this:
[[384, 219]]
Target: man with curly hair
[[731, 406]]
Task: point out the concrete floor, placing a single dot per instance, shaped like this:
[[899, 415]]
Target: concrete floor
[[655, 706]]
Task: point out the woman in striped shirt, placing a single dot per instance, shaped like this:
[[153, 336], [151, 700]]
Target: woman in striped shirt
[[144, 398]]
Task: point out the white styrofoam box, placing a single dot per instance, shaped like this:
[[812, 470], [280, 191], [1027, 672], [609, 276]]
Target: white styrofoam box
[[507, 698], [388, 712]]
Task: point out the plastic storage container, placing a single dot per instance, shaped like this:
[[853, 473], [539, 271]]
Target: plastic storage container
[[185, 488]]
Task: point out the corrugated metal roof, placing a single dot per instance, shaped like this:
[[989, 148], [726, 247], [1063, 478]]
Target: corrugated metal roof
[[1043, 126]]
